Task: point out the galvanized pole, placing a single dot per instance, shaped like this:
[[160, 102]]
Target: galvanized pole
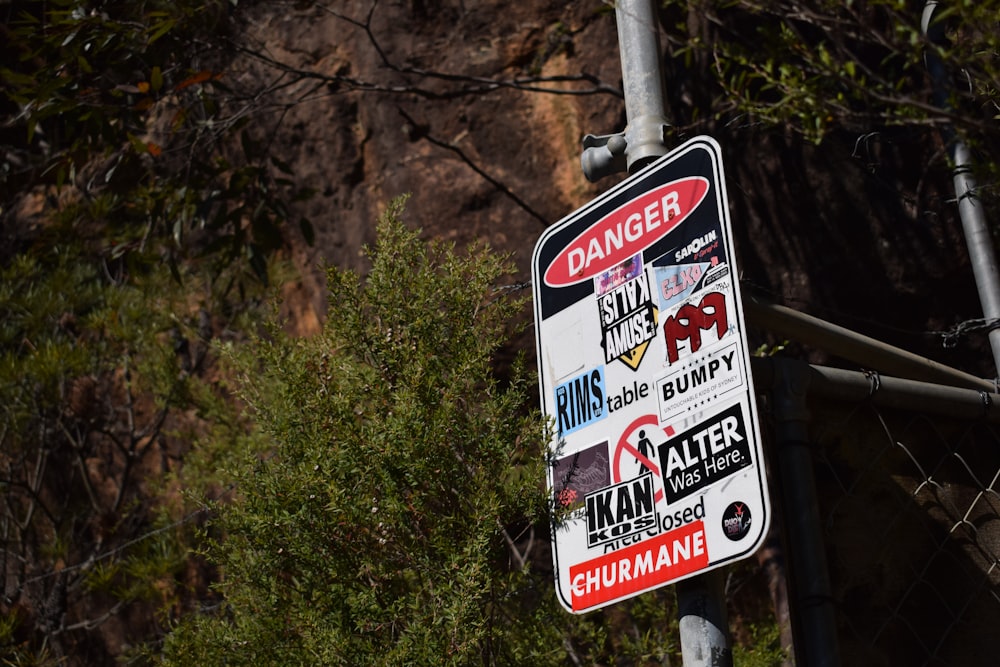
[[642, 77], [703, 621], [644, 137], [970, 210], [813, 622], [701, 602], [852, 346]]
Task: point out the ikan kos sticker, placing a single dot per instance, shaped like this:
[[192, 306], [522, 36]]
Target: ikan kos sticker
[[657, 471]]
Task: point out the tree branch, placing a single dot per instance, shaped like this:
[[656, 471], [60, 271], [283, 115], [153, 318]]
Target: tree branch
[[468, 161]]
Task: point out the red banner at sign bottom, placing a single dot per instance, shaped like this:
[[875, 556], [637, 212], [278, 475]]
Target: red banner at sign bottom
[[649, 563]]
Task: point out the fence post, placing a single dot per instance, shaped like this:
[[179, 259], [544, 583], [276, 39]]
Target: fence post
[[978, 237], [813, 621]]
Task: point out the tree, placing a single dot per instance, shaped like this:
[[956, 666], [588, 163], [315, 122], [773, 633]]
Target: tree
[[393, 521], [118, 266], [102, 392], [821, 66], [119, 125]]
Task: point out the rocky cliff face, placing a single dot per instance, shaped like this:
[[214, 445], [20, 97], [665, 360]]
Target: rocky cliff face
[[439, 101], [476, 110]]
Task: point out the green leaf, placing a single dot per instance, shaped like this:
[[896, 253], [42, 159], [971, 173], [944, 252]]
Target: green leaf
[[138, 145], [158, 30]]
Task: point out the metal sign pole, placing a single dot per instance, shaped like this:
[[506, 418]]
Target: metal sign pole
[[704, 625], [639, 44], [643, 139], [704, 630], [701, 603]]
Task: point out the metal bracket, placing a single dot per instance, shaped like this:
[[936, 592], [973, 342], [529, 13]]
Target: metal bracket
[[640, 143], [603, 155]]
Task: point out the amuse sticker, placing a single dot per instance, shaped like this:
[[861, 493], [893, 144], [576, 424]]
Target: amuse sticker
[[628, 317]]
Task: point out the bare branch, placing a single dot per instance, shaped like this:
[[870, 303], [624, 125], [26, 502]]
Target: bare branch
[[467, 84], [91, 623], [521, 559], [77, 445], [474, 85], [465, 158]]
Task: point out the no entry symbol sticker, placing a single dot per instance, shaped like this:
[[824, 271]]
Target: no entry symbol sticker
[[635, 452]]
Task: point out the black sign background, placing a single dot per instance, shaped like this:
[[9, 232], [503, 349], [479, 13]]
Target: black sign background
[[705, 216]]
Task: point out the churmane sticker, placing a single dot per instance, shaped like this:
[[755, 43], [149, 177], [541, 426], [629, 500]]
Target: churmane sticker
[[626, 231], [641, 566]]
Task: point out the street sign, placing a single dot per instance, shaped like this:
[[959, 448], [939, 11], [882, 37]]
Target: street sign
[[656, 466]]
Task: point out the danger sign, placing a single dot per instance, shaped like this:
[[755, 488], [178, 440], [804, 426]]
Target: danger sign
[[627, 231], [643, 369]]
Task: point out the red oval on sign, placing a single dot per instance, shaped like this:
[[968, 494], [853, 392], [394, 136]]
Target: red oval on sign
[[626, 231]]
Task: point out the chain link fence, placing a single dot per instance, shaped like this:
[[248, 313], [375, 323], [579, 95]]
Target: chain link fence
[[899, 483]]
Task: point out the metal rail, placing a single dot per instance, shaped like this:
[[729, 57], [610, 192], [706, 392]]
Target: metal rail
[[866, 352], [885, 391], [970, 210]]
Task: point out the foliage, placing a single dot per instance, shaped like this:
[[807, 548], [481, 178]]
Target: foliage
[[764, 649], [96, 375], [134, 224], [400, 515], [121, 126], [380, 531], [817, 66]]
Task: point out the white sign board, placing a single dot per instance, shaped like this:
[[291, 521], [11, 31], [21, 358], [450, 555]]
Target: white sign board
[[656, 465]]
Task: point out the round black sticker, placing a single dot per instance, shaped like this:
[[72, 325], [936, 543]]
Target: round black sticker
[[736, 521]]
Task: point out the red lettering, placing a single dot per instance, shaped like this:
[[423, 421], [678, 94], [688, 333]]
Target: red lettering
[[680, 281], [671, 288], [639, 567], [690, 320]]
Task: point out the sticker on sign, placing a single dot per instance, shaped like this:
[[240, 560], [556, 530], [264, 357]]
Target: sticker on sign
[[644, 371]]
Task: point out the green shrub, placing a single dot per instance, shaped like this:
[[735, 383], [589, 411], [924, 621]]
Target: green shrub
[[379, 530]]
